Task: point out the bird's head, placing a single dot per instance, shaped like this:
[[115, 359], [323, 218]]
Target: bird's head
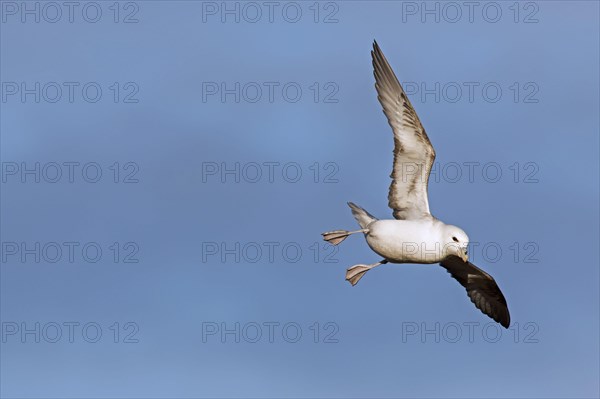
[[456, 242]]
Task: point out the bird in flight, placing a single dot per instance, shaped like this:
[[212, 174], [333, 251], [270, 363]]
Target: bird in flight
[[414, 235]]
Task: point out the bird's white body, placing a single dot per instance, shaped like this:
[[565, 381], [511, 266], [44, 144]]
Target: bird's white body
[[407, 241]]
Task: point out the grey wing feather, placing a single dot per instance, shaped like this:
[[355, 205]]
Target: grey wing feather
[[481, 288], [413, 152]]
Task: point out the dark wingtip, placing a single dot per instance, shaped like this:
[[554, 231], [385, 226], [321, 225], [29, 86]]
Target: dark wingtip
[[376, 48], [506, 322], [503, 318]]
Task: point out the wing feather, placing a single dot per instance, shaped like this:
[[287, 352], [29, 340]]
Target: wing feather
[[481, 288], [413, 152]]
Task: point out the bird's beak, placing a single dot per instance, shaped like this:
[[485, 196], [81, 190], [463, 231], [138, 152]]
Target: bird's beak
[[464, 256]]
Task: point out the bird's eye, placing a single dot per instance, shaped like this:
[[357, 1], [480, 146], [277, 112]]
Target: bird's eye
[[455, 239]]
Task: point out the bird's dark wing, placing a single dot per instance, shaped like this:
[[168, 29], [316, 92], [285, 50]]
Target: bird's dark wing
[[481, 288]]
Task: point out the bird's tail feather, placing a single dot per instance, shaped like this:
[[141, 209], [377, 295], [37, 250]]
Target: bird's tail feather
[[363, 217]]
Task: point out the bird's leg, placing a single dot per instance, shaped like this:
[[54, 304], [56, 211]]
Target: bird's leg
[[337, 236], [355, 273]]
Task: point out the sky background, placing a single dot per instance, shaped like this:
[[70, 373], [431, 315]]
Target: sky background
[[194, 258]]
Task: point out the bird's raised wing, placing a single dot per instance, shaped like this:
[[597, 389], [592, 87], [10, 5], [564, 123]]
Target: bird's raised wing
[[481, 288], [413, 153]]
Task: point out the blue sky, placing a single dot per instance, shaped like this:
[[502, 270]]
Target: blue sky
[[182, 165]]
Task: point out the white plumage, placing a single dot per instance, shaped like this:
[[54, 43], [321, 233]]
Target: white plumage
[[415, 236]]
